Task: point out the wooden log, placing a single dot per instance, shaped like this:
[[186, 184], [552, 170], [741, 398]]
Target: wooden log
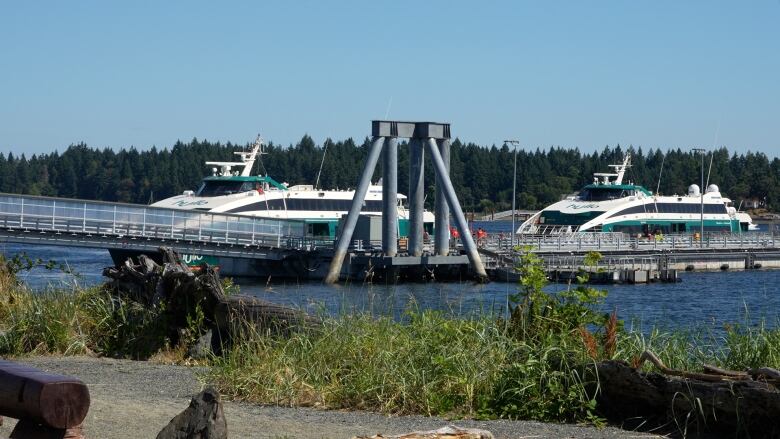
[[728, 407], [707, 376], [27, 393], [714, 370], [449, 432], [239, 313], [25, 429], [766, 373]]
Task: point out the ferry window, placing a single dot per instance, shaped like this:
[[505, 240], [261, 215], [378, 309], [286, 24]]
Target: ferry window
[[602, 194], [217, 188], [715, 208]]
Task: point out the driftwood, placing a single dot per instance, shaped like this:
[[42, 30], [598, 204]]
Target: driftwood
[[46, 405], [449, 432], [179, 290], [716, 402]]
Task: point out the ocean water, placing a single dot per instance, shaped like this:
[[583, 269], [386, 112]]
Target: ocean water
[[699, 300]]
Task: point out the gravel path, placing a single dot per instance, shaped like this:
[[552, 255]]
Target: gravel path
[[137, 399]]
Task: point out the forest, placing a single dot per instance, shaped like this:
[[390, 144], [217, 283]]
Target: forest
[[482, 175]]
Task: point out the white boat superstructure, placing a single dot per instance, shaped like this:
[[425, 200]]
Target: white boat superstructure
[[232, 189], [610, 205]]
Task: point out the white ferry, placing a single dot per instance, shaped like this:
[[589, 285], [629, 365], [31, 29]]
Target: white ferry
[[232, 189], [609, 205]]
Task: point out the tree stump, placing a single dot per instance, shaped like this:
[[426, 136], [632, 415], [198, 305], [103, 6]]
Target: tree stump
[[179, 290]]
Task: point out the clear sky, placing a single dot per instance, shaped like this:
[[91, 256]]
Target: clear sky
[[662, 73]]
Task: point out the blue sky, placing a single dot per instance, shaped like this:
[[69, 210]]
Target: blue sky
[[586, 74]]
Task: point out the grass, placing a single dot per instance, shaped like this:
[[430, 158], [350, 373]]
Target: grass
[[76, 321], [430, 364], [81, 321]]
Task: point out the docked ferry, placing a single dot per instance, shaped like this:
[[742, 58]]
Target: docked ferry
[[610, 205], [231, 188]]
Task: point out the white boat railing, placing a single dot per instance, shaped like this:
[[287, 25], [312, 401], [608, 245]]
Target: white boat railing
[[130, 221]]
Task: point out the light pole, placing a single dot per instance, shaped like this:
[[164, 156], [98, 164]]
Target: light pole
[[514, 186], [701, 191]]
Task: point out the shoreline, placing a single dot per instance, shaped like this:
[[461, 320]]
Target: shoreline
[[141, 397]]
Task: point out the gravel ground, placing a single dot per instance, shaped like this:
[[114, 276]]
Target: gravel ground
[[137, 399]]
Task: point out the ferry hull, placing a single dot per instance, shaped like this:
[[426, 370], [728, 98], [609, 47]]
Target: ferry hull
[[299, 265]]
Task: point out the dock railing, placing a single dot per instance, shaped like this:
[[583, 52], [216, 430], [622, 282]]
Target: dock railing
[[620, 241], [131, 221]]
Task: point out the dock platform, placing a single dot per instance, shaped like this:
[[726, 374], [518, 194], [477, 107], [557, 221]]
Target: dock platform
[[258, 247]]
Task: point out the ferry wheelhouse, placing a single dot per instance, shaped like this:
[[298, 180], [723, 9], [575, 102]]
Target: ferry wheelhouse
[[610, 205], [230, 190]]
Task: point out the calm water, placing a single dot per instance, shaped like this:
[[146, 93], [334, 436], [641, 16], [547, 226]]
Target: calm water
[[700, 299]]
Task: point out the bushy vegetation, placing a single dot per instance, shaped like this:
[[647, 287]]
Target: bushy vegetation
[[482, 175], [75, 321]]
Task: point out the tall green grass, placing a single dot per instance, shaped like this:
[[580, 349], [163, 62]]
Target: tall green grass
[[74, 321], [431, 363]]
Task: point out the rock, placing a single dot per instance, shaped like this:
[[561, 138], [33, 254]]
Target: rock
[[448, 432], [203, 419]]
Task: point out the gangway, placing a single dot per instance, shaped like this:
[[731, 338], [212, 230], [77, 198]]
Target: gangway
[[70, 222]]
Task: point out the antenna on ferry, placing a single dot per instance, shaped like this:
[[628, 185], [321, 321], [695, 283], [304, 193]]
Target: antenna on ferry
[[621, 169], [660, 173], [247, 160], [324, 150]]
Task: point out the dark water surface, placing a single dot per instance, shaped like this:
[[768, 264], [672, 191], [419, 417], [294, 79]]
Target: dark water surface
[[699, 299]]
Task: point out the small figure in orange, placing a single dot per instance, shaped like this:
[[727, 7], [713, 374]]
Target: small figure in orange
[[481, 236]]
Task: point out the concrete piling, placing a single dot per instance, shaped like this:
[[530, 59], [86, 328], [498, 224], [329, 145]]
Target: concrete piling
[[348, 228]]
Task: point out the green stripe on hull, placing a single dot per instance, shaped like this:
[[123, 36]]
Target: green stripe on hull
[[557, 218], [673, 226], [197, 260], [326, 228]]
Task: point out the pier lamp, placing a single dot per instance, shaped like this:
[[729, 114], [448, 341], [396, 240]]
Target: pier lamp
[[514, 186], [701, 193]]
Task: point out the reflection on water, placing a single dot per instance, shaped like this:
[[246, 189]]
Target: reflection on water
[[700, 299]]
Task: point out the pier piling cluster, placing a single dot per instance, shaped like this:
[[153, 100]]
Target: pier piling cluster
[[435, 137]]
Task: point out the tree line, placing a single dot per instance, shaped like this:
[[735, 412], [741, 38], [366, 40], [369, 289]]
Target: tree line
[[482, 175]]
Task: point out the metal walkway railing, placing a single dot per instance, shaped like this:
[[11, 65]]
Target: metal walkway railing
[[120, 220], [623, 242]]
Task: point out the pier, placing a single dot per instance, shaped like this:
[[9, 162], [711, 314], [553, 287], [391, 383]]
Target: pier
[[634, 260], [239, 245], [250, 246]]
